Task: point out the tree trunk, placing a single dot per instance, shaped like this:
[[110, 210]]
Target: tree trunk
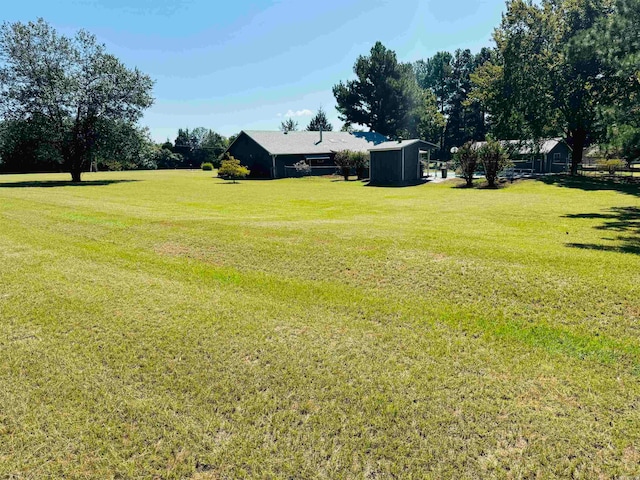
[[76, 175], [579, 137]]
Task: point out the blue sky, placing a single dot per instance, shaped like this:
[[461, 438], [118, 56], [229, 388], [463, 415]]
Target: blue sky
[[237, 65]]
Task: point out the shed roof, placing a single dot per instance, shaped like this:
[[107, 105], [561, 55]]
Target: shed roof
[[308, 143], [525, 147], [399, 145]]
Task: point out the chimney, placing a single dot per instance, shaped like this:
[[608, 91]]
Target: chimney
[[320, 134]]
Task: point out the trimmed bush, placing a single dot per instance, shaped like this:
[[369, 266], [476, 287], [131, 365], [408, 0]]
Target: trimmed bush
[[466, 161], [494, 159], [302, 167], [232, 170], [207, 166], [344, 163]]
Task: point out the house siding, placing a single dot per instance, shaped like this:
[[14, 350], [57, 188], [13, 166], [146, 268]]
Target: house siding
[[252, 155], [387, 166], [561, 165], [411, 162], [545, 163]]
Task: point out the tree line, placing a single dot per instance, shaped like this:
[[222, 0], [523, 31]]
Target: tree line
[[559, 68], [28, 146]]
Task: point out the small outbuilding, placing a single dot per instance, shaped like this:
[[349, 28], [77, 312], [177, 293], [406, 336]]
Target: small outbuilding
[[397, 162], [551, 155]]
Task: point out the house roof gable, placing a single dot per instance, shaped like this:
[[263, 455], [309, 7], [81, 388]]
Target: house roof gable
[[308, 143], [399, 145]]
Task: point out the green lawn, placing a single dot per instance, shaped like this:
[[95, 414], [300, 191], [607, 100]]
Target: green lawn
[[173, 325]]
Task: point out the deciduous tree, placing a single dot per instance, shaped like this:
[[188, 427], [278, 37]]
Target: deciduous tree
[[72, 82], [550, 79]]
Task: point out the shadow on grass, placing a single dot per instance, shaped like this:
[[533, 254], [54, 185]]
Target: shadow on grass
[[397, 185], [501, 183], [592, 184], [623, 220], [62, 183]]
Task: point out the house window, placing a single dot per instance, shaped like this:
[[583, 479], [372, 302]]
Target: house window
[[320, 160], [556, 158]]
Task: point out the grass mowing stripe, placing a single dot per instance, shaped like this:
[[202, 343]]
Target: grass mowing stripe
[[177, 327]]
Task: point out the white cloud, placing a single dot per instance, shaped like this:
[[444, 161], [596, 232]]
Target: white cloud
[[299, 113]]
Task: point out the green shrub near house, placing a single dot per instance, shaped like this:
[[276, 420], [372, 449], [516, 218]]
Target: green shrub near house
[[208, 166], [232, 169]]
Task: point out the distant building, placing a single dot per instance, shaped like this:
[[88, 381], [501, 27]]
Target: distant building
[[272, 154], [552, 155], [397, 162]]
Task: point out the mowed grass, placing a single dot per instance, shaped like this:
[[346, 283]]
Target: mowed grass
[[171, 325]]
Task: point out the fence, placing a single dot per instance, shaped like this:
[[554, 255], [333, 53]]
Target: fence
[[628, 174], [290, 170]]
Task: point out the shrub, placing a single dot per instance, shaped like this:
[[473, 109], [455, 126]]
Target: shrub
[[208, 166], [610, 165], [302, 167], [343, 160], [494, 159], [360, 161], [466, 160], [232, 169]]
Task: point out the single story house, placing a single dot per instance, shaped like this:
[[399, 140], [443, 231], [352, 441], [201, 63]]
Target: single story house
[[272, 154], [552, 155], [397, 162]]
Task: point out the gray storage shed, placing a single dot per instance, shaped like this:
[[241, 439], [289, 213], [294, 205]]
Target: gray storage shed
[[398, 162]]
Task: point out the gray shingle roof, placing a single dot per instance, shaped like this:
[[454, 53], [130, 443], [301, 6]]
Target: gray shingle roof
[[391, 145], [300, 143]]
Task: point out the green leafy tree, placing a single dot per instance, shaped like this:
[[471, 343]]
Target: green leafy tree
[[549, 79], [166, 157], [231, 168], [384, 96], [494, 159], [617, 40], [448, 77], [185, 146], [26, 146], [213, 145], [466, 160], [123, 146], [289, 125], [435, 75], [72, 82], [320, 122], [200, 145], [430, 121]]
